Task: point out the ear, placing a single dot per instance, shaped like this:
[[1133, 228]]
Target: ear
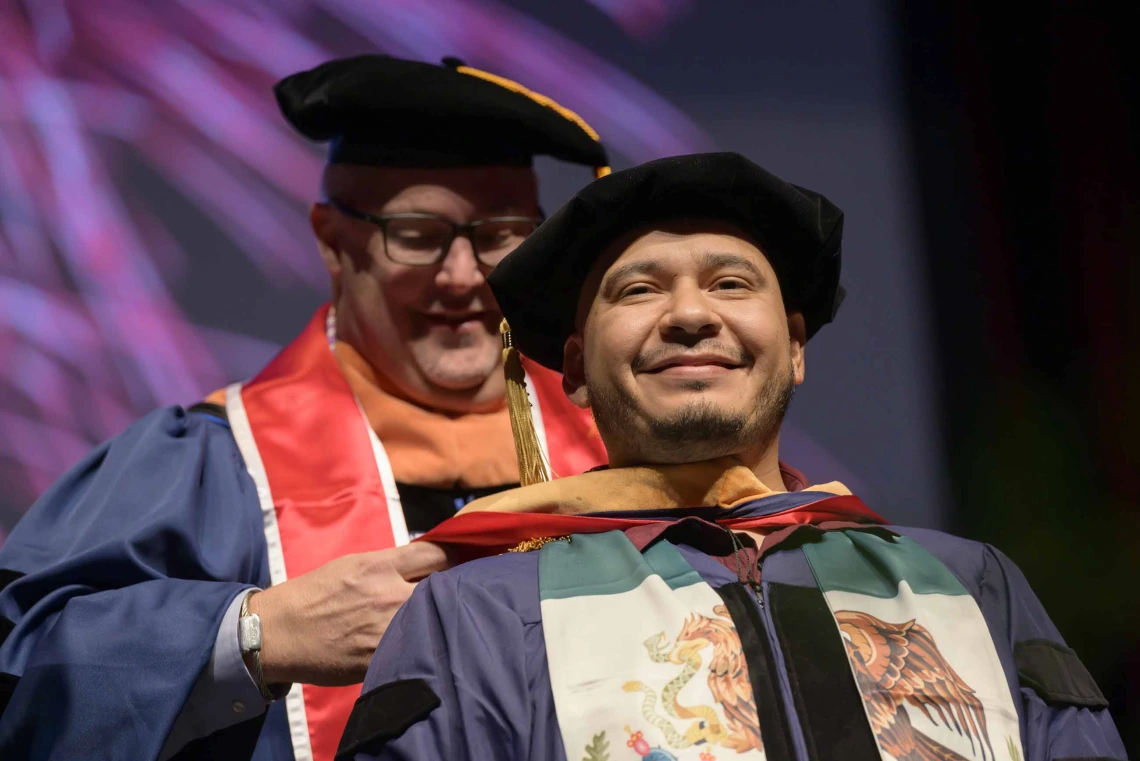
[[323, 222], [574, 372], [797, 338]]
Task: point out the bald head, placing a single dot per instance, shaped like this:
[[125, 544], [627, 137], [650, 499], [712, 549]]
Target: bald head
[[489, 190]]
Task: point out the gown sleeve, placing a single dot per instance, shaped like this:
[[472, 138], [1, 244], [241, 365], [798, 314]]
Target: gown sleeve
[[114, 585], [460, 674], [1065, 714]]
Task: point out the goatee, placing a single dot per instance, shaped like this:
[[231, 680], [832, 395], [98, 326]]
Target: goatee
[[699, 430]]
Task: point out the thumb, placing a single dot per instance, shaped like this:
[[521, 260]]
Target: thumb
[[418, 559]]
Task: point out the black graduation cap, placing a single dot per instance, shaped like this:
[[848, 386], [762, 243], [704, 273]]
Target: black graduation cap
[[538, 284], [384, 111]]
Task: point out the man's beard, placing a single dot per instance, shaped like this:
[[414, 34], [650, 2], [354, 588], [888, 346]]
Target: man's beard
[[699, 430]]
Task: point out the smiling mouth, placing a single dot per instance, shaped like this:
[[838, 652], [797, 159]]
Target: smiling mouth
[[695, 365], [454, 320]]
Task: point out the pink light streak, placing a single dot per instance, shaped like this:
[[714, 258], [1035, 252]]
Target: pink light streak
[[92, 334]]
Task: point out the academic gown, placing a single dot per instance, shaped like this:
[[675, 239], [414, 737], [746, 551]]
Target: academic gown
[[474, 634], [116, 581], [114, 584]]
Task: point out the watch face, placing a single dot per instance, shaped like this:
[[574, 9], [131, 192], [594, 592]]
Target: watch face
[[249, 633]]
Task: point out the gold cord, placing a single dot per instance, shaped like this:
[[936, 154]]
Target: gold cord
[[526, 545], [513, 86]]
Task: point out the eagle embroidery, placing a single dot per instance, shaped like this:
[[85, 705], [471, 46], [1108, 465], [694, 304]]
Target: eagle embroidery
[[727, 682], [900, 664]]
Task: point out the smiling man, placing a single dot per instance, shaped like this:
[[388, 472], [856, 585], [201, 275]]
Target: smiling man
[[428, 321], [131, 621], [706, 380], [696, 600]]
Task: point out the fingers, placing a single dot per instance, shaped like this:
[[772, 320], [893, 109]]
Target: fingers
[[418, 559]]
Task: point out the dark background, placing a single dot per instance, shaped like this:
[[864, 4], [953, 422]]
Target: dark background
[[1026, 139]]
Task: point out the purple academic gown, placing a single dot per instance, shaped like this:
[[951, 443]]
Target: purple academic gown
[[474, 635]]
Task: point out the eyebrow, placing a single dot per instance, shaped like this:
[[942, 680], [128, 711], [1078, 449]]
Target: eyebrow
[[626, 270], [711, 260], [716, 260]]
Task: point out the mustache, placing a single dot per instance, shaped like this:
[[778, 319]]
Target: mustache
[[738, 354]]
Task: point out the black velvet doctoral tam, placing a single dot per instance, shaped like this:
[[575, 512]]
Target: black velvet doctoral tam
[[382, 111], [538, 284]]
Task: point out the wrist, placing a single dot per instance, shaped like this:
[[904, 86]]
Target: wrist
[[253, 648], [249, 608], [264, 612]]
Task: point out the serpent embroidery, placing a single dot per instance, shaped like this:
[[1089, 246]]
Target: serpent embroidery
[[727, 682]]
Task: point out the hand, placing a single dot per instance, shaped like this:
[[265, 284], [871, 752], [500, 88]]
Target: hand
[[323, 626]]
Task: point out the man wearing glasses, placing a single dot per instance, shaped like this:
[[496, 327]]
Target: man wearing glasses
[[132, 621]]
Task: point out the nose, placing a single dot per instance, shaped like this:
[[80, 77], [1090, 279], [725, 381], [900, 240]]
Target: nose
[[689, 317], [459, 271]]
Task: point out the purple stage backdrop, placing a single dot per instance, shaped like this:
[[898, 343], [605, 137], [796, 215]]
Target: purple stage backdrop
[[153, 236]]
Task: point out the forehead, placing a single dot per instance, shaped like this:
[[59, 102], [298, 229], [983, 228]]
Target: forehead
[[394, 189], [685, 244]]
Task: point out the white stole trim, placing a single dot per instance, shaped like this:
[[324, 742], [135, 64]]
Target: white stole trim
[[243, 435], [388, 481]]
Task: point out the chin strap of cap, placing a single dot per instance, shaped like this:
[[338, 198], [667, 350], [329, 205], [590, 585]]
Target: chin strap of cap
[[532, 463], [510, 84]]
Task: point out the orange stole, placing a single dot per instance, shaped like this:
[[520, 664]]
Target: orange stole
[[327, 492]]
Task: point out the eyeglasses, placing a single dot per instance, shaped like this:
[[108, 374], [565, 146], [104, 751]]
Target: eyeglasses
[[424, 239]]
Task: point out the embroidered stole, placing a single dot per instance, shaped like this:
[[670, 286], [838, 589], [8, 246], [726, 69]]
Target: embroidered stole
[[326, 488], [643, 653], [919, 649]]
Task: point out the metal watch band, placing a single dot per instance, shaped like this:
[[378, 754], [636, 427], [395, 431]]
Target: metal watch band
[[249, 627]]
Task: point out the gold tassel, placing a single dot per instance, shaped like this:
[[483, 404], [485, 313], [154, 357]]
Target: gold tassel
[[532, 464]]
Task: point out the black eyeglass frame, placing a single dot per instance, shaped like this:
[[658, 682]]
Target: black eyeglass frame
[[467, 230]]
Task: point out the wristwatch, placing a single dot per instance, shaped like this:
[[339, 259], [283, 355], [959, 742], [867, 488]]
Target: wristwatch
[[249, 642]]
